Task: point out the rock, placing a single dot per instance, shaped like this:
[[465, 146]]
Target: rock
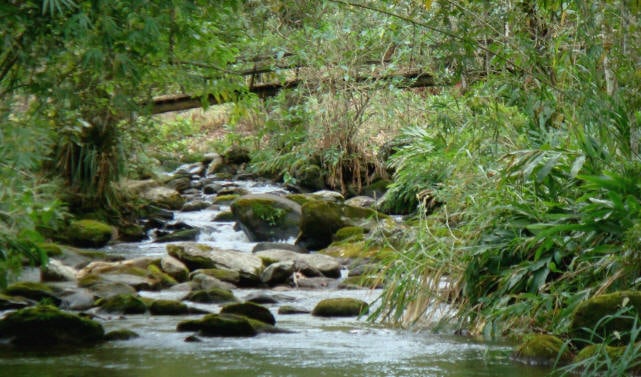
[[321, 219], [104, 289], [164, 197], [289, 309], [591, 313], [224, 216], [260, 246], [33, 291], [225, 199], [313, 283], [309, 176], [165, 279], [340, 307], [263, 298], [192, 339], [222, 274], [212, 295], [201, 280], [202, 256], [215, 164], [267, 217], [179, 235], [361, 201], [56, 271], [541, 349], [326, 265], [78, 299], [122, 334], [88, 233], [195, 205], [168, 307], [351, 233], [122, 304], [211, 189], [174, 268], [236, 155], [10, 302], [45, 325], [136, 277], [329, 196], [131, 233], [179, 183], [250, 310], [227, 325], [277, 273]]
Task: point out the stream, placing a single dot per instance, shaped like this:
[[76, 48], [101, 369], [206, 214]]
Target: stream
[[315, 347]]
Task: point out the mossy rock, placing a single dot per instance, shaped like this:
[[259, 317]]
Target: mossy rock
[[88, 233], [131, 233], [309, 176], [225, 199], [122, 334], [320, 220], [340, 307], [377, 188], [351, 233], [222, 274], [33, 291], [590, 312], [290, 309], [165, 279], [250, 310], [193, 260], [224, 325], [46, 325], [179, 235], [302, 198], [212, 295], [224, 216], [542, 349], [122, 304], [267, 217], [11, 302], [168, 307], [356, 249], [51, 249]]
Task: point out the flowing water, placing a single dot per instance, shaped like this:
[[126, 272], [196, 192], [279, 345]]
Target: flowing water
[[315, 347]]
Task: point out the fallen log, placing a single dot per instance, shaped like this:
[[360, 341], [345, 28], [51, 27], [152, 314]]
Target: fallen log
[[165, 104]]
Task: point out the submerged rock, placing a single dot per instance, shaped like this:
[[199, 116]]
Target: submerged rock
[[290, 309], [340, 307], [541, 349], [46, 325], [122, 334], [212, 295]]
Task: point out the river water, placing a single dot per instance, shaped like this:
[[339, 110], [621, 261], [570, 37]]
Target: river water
[[315, 346]]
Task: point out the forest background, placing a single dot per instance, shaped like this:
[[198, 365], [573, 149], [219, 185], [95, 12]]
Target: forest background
[[516, 164]]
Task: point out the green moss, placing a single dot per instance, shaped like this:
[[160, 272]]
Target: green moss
[[225, 216], [51, 249], [88, 233], [122, 334], [542, 349], [352, 233], [302, 198], [124, 304], [250, 310], [265, 210], [221, 199], [340, 307], [46, 325], [168, 307], [359, 249], [157, 273], [589, 313], [192, 261], [229, 276], [33, 291]]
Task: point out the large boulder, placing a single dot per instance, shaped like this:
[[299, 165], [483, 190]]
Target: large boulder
[[48, 326], [88, 233], [123, 304], [197, 256], [277, 273], [174, 268], [137, 273], [164, 197], [33, 291], [305, 263], [267, 217], [597, 317], [168, 307], [321, 219], [340, 307]]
